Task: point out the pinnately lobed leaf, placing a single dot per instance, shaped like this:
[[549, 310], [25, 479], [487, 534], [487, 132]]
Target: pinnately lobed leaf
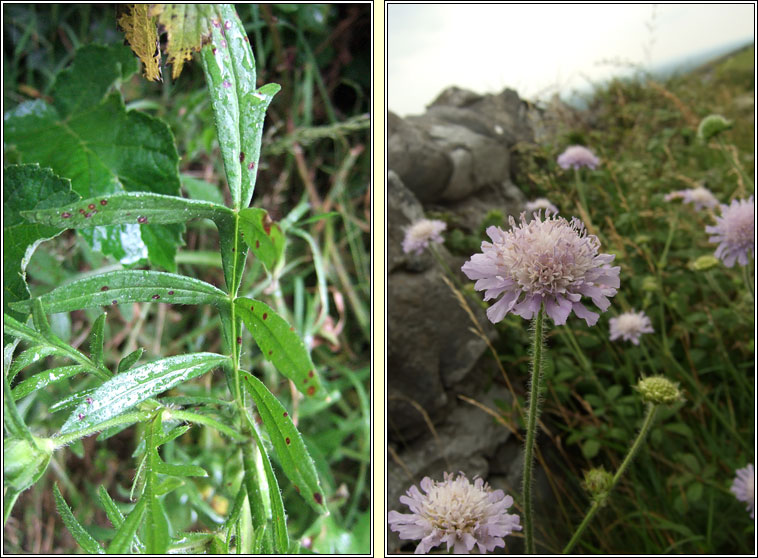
[[280, 344], [289, 445], [123, 286], [124, 391]]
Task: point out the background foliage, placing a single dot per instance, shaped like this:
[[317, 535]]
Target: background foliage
[[675, 496], [315, 152]]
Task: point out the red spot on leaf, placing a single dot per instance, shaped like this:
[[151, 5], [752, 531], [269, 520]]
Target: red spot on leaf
[[142, 220], [266, 222], [82, 211], [156, 297], [228, 24], [311, 390], [103, 202], [242, 156], [81, 416], [91, 206], [171, 292], [292, 328], [252, 308], [223, 43], [104, 288], [270, 353], [114, 302], [285, 413], [246, 39], [265, 315], [89, 401], [319, 499], [257, 244], [310, 374], [287, 440], [65, 215], [216, 23], [258, 419], [87, 215], [297, 489], [214, 50], [227, 84], [239, 340], [251, 166]]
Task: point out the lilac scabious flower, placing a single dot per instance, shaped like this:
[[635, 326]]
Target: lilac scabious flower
[[455, 512], [554, 262], [578, 156], [734, 232], [630, 326], [540, 203], [743, 487], [700, 197], [421, 233]]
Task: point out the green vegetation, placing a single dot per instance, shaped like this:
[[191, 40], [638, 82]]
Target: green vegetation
[[189, 451]]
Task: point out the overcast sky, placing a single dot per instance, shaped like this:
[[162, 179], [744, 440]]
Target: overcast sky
[[539, 49]]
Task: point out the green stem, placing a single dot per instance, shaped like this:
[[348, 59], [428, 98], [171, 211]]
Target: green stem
[[735, 164], [531, 430], [627, 460], [580, 190]]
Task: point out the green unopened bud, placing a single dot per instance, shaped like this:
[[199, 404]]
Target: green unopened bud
[[650, 284], [24, 462], [598, 483], [704, 263], [659, 390], [712, 125]]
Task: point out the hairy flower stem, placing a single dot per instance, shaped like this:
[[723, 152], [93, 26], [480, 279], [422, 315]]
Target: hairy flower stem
[[649, 419], [582, 199], [445, 267], [531, 429]]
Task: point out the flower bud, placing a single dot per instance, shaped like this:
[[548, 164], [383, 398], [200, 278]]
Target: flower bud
[[712, 125], [598, 483], [659, 390], [704, 263], [24, 462], [650, 284]]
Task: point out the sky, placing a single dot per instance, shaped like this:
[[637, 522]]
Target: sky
[[541, 49]]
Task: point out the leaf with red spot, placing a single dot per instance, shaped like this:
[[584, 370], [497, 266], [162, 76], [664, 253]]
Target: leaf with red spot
[[262, 235], [128, 285], [280, 345], [293, 455]]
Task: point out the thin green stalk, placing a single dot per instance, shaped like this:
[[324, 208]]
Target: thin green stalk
[[627, 460], [739, 192], [580, 190], [126, 418], [531, 430]]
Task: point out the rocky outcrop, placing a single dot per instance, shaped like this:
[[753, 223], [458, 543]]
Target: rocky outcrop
[[456, 159]]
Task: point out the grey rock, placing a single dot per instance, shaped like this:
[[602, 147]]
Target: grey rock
[[423, 166]]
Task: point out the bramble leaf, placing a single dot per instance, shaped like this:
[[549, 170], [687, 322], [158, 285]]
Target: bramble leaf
[[27, 187], [187, 26], [88, 136]]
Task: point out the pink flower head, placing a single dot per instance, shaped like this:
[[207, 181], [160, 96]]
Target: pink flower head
[[700, 197], [734, 232], [630, 326], [554, 262], [578, 156], [455, 512], [743, 487], [540, 203], [421, 233]]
